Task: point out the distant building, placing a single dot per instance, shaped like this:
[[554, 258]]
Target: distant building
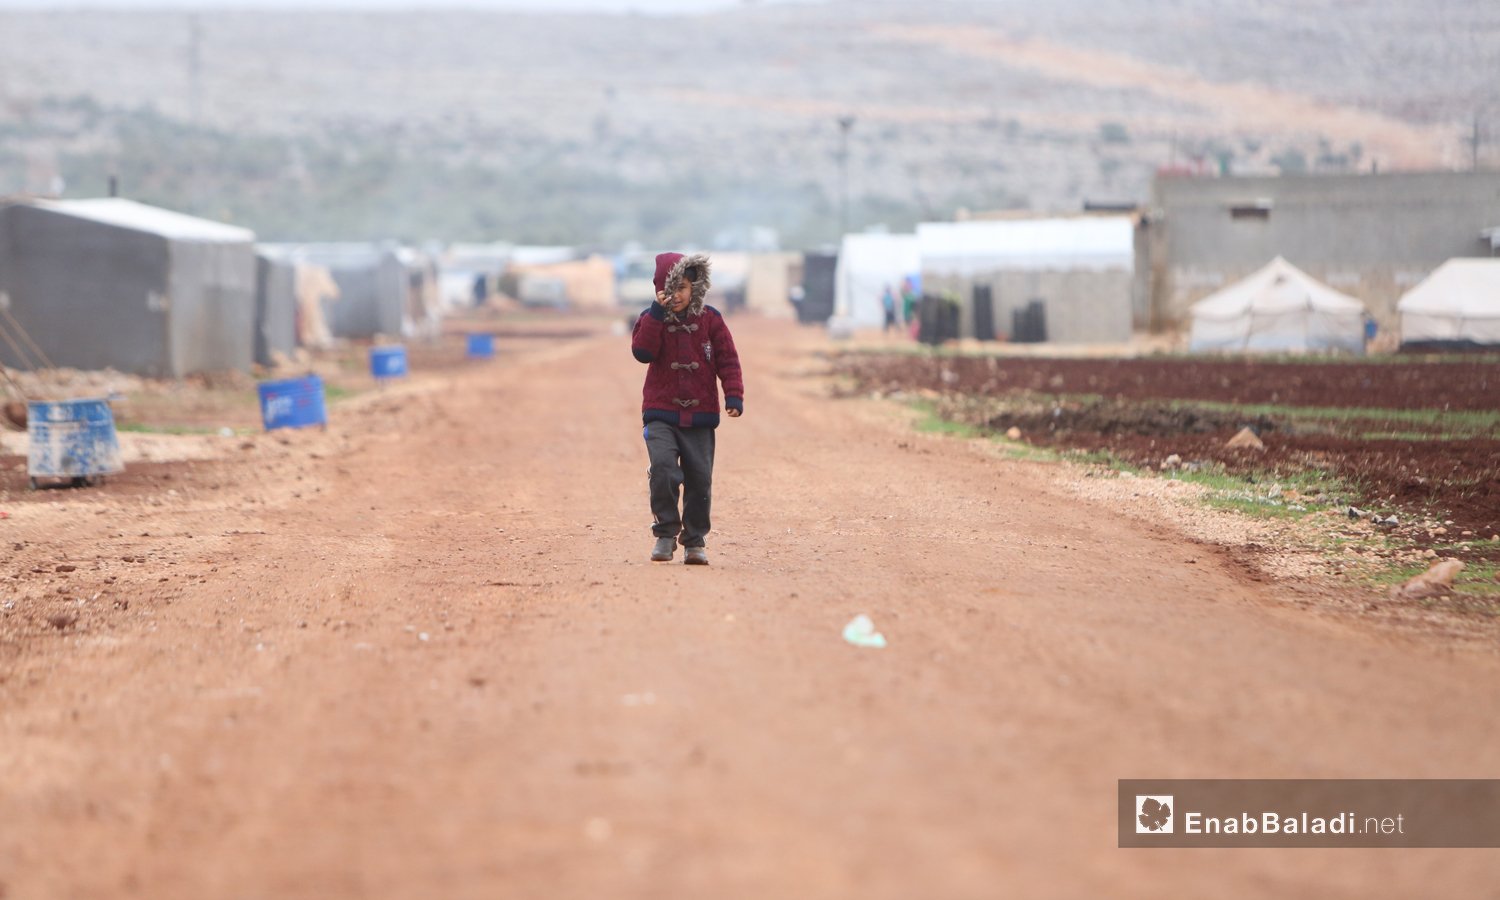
[[1373, 237], [1061, 279]]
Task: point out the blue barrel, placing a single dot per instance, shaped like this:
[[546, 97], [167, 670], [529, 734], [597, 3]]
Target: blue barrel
[[388, 362], [72, 439], [481, 345], [293, 403]]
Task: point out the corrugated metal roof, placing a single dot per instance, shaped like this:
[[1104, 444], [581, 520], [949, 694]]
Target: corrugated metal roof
[[150, 219]]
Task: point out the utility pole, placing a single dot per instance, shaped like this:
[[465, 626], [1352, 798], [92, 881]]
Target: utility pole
[[1474, 144], [195, 110], [845, 124]]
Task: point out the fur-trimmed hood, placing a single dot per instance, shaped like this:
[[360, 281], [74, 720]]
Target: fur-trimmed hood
[[672, 268]]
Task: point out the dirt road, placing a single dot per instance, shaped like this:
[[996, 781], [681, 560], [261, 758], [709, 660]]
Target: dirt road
[[424, 655]]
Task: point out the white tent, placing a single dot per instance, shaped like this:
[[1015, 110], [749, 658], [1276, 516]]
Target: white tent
[[1278, 309], [868, 264], [1460, 302]]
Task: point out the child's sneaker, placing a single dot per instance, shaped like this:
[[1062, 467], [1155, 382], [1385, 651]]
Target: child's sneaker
[[664, 549], [695, 556]]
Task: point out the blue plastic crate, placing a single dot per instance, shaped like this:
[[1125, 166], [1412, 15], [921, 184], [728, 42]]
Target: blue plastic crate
[[481, 345], [293, 403], [72, 439], [388, 362]]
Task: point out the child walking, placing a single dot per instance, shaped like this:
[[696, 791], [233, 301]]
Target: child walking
[[688, 350]]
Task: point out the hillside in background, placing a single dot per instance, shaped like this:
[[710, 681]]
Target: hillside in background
[[601, 129]]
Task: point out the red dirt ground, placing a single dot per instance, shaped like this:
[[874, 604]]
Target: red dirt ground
[[1459, 385], [424, 655]]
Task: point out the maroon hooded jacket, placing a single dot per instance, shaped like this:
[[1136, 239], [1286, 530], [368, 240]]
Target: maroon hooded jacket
[[688, 352]]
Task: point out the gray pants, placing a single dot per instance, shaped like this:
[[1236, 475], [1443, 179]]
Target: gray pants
[[680, 458]]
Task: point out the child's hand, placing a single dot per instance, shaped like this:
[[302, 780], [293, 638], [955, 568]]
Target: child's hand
[[677, 302], [734, 414]]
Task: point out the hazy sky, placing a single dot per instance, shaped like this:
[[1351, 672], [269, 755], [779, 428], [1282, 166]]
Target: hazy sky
[[620, 6]]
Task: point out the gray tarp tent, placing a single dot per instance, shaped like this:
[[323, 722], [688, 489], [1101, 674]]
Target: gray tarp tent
[[373, 286], [112, 283], [275, 306]]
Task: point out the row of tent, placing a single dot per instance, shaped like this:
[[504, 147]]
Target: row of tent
[[1280, 308], [111, 283], [1077, 280], [556, 276]]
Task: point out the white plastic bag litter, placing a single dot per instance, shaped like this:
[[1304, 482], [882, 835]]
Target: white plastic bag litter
[[861, 633]]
